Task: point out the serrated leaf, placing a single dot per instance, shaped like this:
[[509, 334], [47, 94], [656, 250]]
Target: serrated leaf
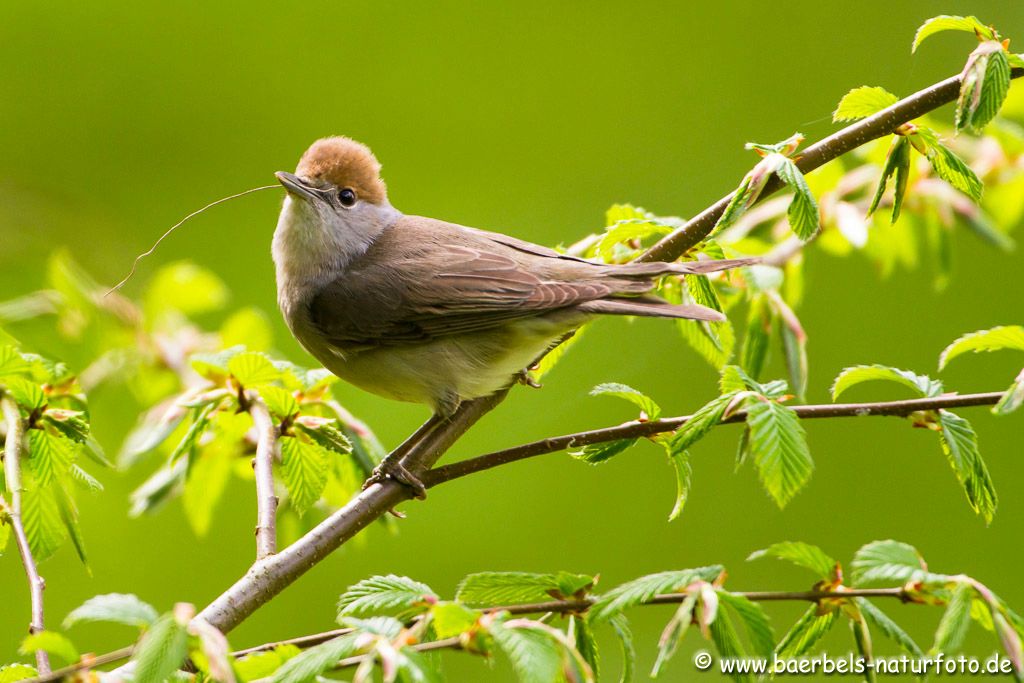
[[755, 621], [50, 455], [280, 402], [644, 588], [162, 650], [214, 366], [253, 369], [993, 339], [385, 594], [802, 555], [680, 461], [749, 190], [586, 644], [960, 444], [620, 624], [304, 467], [51, 642], [890, 628], [984, 84], [597, 453], [259, 665], [807, 631], [673, 633], [952, 630], [862, 102], [887, 561], [727, 642], [69, 517], [955, 171], [628, 230], [12, 362], [534, 655], [307, 666], [803, 213], [208, 474], [778, 444], [921, 385], [118, 608], [486, 589], [324, 433], [26, 393], [1012, 399], [945, 22], [41, 516], [702, 422], [187, 446], [450, 619], [754, 353], [627, 393]]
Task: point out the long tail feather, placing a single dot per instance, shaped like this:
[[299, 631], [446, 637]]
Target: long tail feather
[[651, 309]]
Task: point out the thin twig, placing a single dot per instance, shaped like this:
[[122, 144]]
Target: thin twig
[[635, 429], [263, 465], [13, 456]]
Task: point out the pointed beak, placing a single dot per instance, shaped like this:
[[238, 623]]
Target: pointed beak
[[295, 186]]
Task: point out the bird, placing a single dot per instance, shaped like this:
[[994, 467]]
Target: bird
[[426, 311]]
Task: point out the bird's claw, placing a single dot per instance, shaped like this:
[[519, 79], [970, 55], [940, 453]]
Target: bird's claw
[[396, 471], [524, 377]]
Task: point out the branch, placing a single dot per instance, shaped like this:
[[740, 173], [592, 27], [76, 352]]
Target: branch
[[13, 451], [263, 464], [269, 576], [635, 428]]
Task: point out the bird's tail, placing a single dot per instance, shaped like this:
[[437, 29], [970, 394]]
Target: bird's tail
[[688, 267], [651, 308]]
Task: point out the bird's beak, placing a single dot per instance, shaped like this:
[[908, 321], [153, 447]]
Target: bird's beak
[[295, 186]]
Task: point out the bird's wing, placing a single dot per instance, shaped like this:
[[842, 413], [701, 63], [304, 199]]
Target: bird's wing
[[423, 279]]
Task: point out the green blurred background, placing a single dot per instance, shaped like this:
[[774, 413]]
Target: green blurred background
[[530, 118]]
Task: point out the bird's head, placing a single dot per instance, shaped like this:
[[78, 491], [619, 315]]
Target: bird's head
[[336, 199]]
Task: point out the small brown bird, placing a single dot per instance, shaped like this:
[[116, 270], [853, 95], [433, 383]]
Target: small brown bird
[[421, 310]]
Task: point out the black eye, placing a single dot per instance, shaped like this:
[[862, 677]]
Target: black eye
[[347, 196]]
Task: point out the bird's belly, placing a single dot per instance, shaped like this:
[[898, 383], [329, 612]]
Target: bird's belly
[[448, 369]]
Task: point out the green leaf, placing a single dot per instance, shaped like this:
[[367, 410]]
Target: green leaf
[[325, 433], [307, 666], [486, 589], [754, 353], [960, 444], [69, 518], [627, 231], [586, 644], [253, 369], [955, 171], [681, 465], [385, 594], [862, 102], [984, 85], [897, 165], [51, 642], [118, 608], [17, 672], [779, 446], [702, 422], [641, 590], [551, 358], [673, 633], [620, 624], [162, 650], [807, 631], [890, 628], [208, 474], [12, 362], [921, 385], [803, 214], [627, 393], [304, 467], [1012, 399], [214, 366], [887, 562], [802, 555], [41, 516], [949, 636], [534, 655], [187, 446], [755, 621], [280, 402], [50, 455], [945, 22], [862, 641], [994, 339], [450, 619], [597, 453], [727, 642], [26, 393]]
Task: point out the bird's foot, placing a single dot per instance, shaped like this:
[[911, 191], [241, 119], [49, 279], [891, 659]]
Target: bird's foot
[[396, 471], [524, 377]]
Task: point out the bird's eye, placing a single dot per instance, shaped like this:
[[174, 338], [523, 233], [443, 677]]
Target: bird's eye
[[347, 196]]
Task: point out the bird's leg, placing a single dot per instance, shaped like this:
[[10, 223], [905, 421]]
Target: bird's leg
[[391, 466], [524, 377]]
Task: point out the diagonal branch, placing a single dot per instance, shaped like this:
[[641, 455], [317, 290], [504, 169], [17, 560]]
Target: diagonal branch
[[13, 455], [263, 465], [635, 429], [268, 577]]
